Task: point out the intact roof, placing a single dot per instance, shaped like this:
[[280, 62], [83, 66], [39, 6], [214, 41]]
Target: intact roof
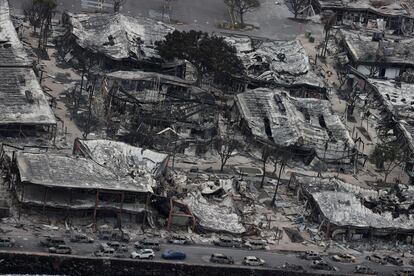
[[121, 158], [12, 53], [54, 170], [341, 203], [383, 7], [93, 32], [22, 100], [287, 117], [363, 49], [263, 61]]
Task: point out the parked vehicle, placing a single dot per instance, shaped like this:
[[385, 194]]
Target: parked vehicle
[[375, 258], [395, 260], [105, 251], [173, 255], [52, 241], [255, 244], [404, 272], [363, 269], [60, 249], [148, 244], [343, 258], [310, 256], [253, 261], [221, 259], [148, 254], [81, 238], [322, 265], [227, 242], [7, 242], [113, 235], [292, 267], [177, 239]]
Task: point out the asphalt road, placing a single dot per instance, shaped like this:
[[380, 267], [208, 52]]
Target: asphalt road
[[271, 18], [199, 254]]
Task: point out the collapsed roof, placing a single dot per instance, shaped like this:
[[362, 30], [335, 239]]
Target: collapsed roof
[[382, 7], [275, 62], [274, 116], [61, 171], [122, 158], [363, 50], [342, 204], [214, 216], [118, 36], [399, 101]]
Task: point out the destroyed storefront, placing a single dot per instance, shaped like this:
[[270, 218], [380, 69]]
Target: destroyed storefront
[[156, 110], [347, 211], [395, 101], [76, 185], [381, 57], [271, 63], [114, 41], [380, 15], [24, 108], [307, 126]]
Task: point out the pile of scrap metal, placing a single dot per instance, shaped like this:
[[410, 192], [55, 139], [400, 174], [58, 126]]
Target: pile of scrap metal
[[306, 126], [112, 40], [341, 207], [276, 63]]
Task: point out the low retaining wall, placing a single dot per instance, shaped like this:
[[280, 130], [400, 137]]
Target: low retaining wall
[[42, 263]]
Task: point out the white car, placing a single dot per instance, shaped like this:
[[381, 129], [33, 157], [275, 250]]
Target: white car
[[253, 261], [143, 254]]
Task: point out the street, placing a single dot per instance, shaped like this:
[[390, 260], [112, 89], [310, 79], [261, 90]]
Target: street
[[200, 254], [271, 19]]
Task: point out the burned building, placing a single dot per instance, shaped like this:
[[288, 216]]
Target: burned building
[[272, 63], [152, 103], [103, 179], [24, 107], [386, 57], [382, 15], [348, 211], [307, 126], [113, 41], [394, 101]]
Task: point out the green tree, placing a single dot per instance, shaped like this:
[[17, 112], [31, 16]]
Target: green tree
[[389, 155], [208, 54]]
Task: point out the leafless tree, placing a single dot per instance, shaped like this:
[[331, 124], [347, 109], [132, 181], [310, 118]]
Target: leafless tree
[[244, 6], [118, 4], [231, 6], [266, 153], [225, 147], [284, 156], [296, 6], [328, 20]]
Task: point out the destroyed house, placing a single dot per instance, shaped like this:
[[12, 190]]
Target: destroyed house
[[396, 101], [158, 102], [347, 211], [386, 58], [75, 184], [307, 126], [272, 63], [23, 104], [121, 158], [382, 15], [113, 41]]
